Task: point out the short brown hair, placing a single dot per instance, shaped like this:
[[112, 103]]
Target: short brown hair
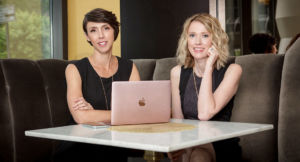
[[103, 16]]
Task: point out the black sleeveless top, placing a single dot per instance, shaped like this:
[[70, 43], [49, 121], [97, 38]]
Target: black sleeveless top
[[189, 97], [226, 150], [91, 84], [93, 93]]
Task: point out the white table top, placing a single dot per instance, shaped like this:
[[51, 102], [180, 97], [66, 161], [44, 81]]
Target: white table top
[[204, 132]]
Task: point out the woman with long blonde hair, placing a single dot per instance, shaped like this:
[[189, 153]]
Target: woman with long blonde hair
[[204, 84]]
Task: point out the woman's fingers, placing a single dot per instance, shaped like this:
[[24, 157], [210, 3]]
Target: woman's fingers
[[78, 99], [81, 104], [212, 56], [77, 103]]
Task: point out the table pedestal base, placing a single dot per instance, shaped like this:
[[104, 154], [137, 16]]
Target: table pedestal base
[[151, 156]]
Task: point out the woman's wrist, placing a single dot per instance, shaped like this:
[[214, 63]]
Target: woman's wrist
[[208, 70]]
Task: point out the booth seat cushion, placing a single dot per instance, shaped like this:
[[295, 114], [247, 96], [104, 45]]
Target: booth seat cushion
[[55, 87], [145, 67], [26, 103], [289, 107], [257, 101], [163, 68], [6, 148]]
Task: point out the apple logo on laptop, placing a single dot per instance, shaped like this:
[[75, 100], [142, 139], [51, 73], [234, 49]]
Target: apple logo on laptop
[[142, 102]]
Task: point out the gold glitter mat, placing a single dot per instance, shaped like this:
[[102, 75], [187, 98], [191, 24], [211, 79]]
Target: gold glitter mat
[[153, 128]]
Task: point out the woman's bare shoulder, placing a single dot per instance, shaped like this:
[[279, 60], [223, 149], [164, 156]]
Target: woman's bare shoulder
[[234, 71], [235, 68], [175, 71], [70, 68]]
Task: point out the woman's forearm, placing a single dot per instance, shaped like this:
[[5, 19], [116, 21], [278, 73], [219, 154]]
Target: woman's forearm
[[91, 115], [206, 102]]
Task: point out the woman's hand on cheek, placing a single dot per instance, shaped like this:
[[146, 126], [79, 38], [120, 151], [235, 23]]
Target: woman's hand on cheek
[[212, 56]]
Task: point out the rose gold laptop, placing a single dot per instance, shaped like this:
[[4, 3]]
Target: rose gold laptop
[[140, 102]]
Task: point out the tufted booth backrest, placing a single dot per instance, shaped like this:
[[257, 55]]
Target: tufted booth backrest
[[289, 106], [257, 101], [32, 96]]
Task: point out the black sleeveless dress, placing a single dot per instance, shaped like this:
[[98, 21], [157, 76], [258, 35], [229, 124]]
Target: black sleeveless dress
[[93, 93], [92, 90], [226, 150], [91, 84]]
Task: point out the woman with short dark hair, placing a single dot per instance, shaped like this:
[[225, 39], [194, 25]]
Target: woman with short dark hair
[[89, 82], [89, 79]]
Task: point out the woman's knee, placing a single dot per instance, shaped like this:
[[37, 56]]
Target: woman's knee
[[202, 154]]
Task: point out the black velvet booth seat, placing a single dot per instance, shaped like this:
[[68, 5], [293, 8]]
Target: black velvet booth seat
[[33, 96]]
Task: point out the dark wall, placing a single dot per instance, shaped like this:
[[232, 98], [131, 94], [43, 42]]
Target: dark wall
[[151, 28]]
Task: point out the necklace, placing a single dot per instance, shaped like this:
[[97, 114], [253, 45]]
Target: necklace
[[103, 89], [195, 85]]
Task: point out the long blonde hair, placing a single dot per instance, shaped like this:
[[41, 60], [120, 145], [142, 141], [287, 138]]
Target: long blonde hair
[[219, 40]]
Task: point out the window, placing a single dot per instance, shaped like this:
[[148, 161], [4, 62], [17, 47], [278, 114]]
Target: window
[[27, 34], [247, 17], [32, 29], [243, 18]]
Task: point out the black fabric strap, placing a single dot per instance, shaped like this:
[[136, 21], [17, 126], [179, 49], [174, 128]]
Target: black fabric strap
[[184, 77]]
